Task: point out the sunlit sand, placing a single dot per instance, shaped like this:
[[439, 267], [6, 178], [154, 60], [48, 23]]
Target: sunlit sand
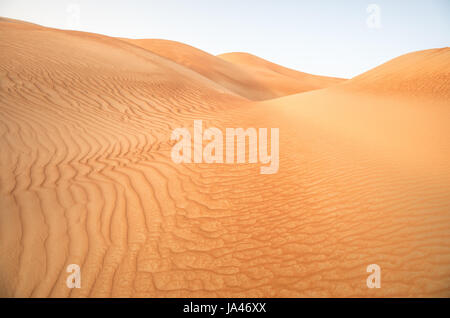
[[86, 175]]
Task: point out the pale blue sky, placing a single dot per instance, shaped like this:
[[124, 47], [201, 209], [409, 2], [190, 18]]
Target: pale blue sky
[[326, 37]]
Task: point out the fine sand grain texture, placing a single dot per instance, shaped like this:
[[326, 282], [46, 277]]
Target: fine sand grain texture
[[86, 175]]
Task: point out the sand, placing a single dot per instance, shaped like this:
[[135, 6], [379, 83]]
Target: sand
[[86, 175], [256, 80]]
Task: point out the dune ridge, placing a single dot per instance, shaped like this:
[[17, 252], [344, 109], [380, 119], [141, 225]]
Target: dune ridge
[[86, 176], [279, 77], [254, 83]]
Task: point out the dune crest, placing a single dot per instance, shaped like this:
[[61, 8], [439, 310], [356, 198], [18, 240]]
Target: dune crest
[[265, 82], [281, 79]]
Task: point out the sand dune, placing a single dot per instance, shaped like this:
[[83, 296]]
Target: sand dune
[[417, 74], [86, 175], [283, 80], [266, 81]]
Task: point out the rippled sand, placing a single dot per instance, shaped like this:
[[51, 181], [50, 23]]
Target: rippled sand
[[86, 175]]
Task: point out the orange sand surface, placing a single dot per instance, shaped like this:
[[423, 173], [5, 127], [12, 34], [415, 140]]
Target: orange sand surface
[[86, 175]]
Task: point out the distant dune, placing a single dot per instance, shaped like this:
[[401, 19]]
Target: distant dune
[[417, 74], [257, 80], [283, 80], [86, 175]]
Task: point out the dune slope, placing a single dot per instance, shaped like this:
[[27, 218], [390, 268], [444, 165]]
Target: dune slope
[[86, 178]]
